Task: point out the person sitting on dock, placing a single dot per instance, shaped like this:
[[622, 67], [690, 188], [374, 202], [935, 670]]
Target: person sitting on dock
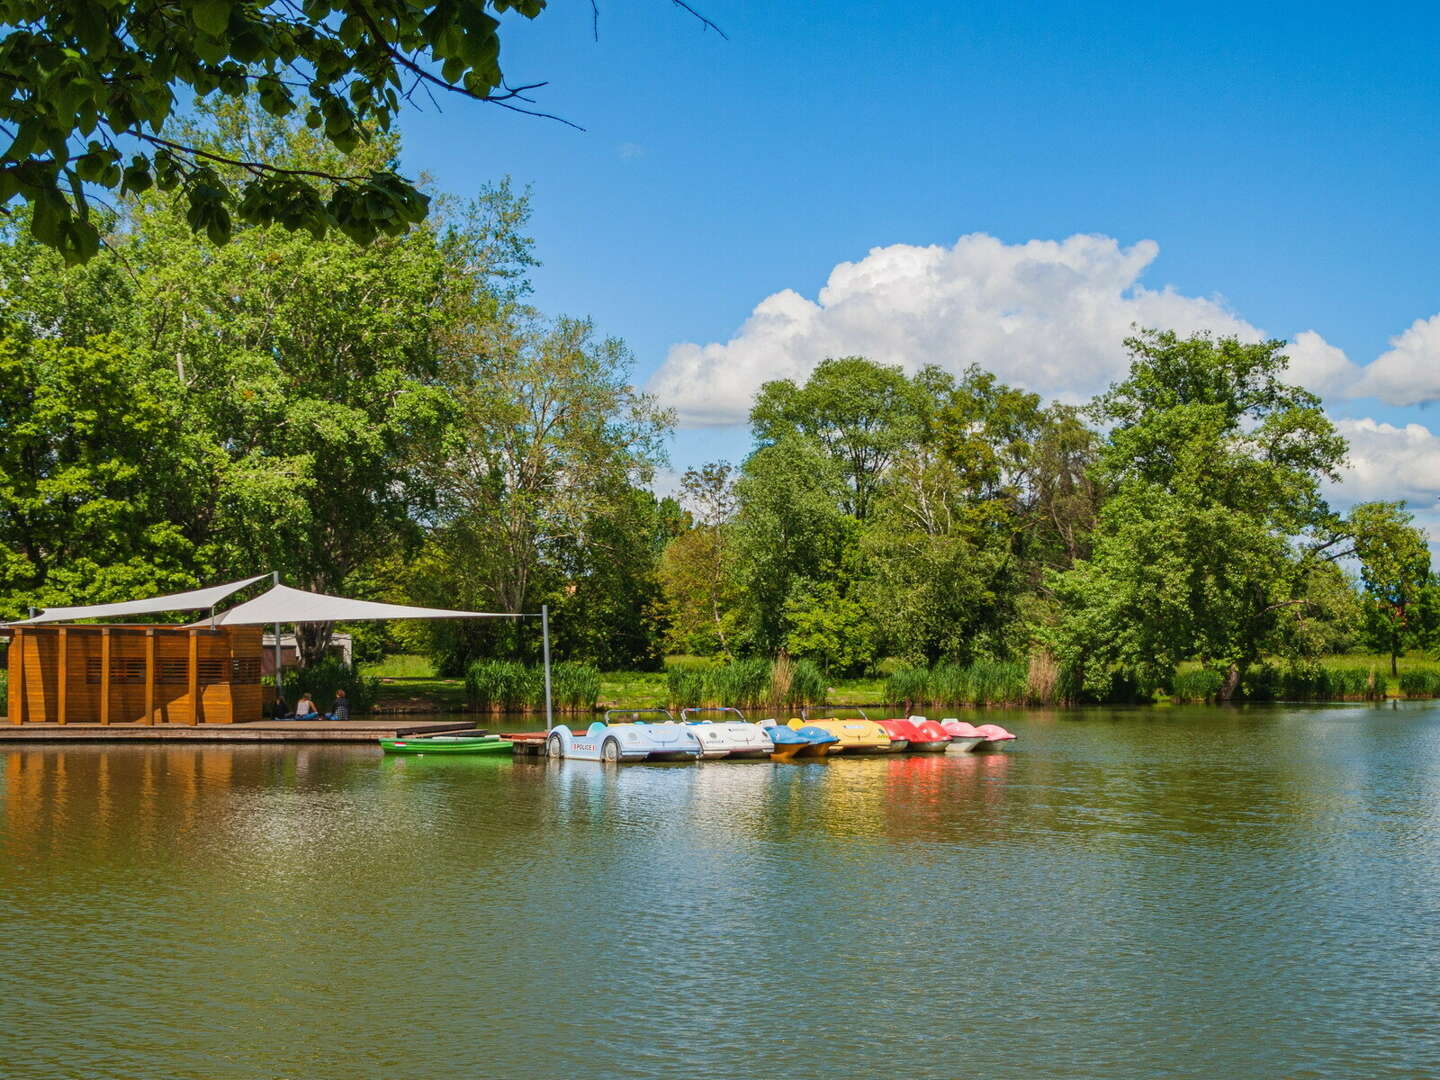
[[280, 710], [342, 707], [305, 709]]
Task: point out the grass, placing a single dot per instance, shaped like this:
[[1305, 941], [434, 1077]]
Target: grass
[[402, 666]]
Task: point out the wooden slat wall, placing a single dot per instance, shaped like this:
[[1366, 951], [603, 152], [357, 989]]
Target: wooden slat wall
[[38, 651]]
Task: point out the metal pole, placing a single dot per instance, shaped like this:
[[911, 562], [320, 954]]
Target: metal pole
[[279, 657], [545, 634]]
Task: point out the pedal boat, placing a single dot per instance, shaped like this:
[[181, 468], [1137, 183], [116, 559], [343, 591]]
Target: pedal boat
[[739, 738], [857, 736], [995, 738], [449, 742], [797, 742], [606, 740], [963, 736], [923, 736]]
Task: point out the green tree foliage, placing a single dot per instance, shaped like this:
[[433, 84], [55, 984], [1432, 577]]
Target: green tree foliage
[[861, 413], [697, 568], [97, 475], [89, 102], [1394, 568], [384, 419], [1215, 524]]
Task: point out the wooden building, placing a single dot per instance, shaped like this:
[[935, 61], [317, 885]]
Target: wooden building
[[128, 674]]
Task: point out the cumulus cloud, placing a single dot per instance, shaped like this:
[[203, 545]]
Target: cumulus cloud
[[1409, 374], [1047, 315], [1389, 462]]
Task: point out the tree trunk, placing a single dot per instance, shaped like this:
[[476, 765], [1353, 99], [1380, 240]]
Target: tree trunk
[[312, 640], [1232, 681]]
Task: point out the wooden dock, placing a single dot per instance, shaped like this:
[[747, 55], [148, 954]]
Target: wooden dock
[[363, 730]]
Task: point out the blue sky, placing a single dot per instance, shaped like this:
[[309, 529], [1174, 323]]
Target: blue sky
[[1282, 162]]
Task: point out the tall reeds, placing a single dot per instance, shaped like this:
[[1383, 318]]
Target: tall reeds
[[508, 686], [984, 682], [1420, 684], [746, 684]]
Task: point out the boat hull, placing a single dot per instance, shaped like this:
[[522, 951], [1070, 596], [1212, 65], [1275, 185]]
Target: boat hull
[[963, 743], [451, 746]]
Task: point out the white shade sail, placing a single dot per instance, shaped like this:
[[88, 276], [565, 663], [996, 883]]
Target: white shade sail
[[185, 601], [283, 604]]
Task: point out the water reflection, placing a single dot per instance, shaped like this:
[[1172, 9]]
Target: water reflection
[[1127, 893]]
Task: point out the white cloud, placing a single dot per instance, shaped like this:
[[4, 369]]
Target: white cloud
[[1389, 462], [1409, 374], [1320, 366], [1047, 315]]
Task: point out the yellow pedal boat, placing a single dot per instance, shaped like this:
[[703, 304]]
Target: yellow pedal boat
[[856, 736]]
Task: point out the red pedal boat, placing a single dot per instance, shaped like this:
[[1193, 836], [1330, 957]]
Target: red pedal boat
[[923, 736]]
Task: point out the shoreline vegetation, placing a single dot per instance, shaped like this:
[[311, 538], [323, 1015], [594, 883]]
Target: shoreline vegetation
[[409, 684]]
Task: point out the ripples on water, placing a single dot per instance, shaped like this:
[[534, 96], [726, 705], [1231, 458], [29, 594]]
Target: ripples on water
[[1148, 893]]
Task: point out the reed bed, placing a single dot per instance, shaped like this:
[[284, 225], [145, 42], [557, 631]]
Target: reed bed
[[747, 684], [983, 682], [1312, 682], [509, 686], [1420, 684]]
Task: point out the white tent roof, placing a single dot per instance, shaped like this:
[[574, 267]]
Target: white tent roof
[[185, 601], [283, 604]]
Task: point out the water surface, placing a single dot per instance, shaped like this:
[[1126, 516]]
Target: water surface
[[1145, 893]]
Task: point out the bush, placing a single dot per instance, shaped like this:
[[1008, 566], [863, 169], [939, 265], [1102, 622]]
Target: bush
[[321, 681], [1420, 684], [4, 690]]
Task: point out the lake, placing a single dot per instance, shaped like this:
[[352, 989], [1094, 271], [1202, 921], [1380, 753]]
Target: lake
[[1167, 892]]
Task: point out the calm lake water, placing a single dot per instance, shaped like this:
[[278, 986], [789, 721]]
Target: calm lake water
[[1127, 894]]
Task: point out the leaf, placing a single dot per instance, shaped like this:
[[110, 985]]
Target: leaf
[[211, 16]]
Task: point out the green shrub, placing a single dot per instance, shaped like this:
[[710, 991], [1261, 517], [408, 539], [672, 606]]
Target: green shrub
[[4, 690], [321, 681]]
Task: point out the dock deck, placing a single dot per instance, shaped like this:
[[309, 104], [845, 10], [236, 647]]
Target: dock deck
[[365, 730]]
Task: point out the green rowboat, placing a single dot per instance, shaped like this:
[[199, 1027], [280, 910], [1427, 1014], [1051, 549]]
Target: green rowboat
[[453, 743]]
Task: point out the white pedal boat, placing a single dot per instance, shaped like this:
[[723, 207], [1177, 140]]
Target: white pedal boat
[[738, 737], [609, 740]]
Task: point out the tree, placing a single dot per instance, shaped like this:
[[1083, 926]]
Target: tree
[[1394, 567], [859, 412], [89, 103], [790, 530], [547, 435], [96, 473], [1216, 522], [697, 571]]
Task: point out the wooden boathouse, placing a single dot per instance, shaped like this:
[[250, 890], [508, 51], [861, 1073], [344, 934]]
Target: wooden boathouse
[[134, 674]]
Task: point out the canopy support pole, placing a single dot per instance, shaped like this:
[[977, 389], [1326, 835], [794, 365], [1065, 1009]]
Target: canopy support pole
[[545, 635], [279, 658]]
